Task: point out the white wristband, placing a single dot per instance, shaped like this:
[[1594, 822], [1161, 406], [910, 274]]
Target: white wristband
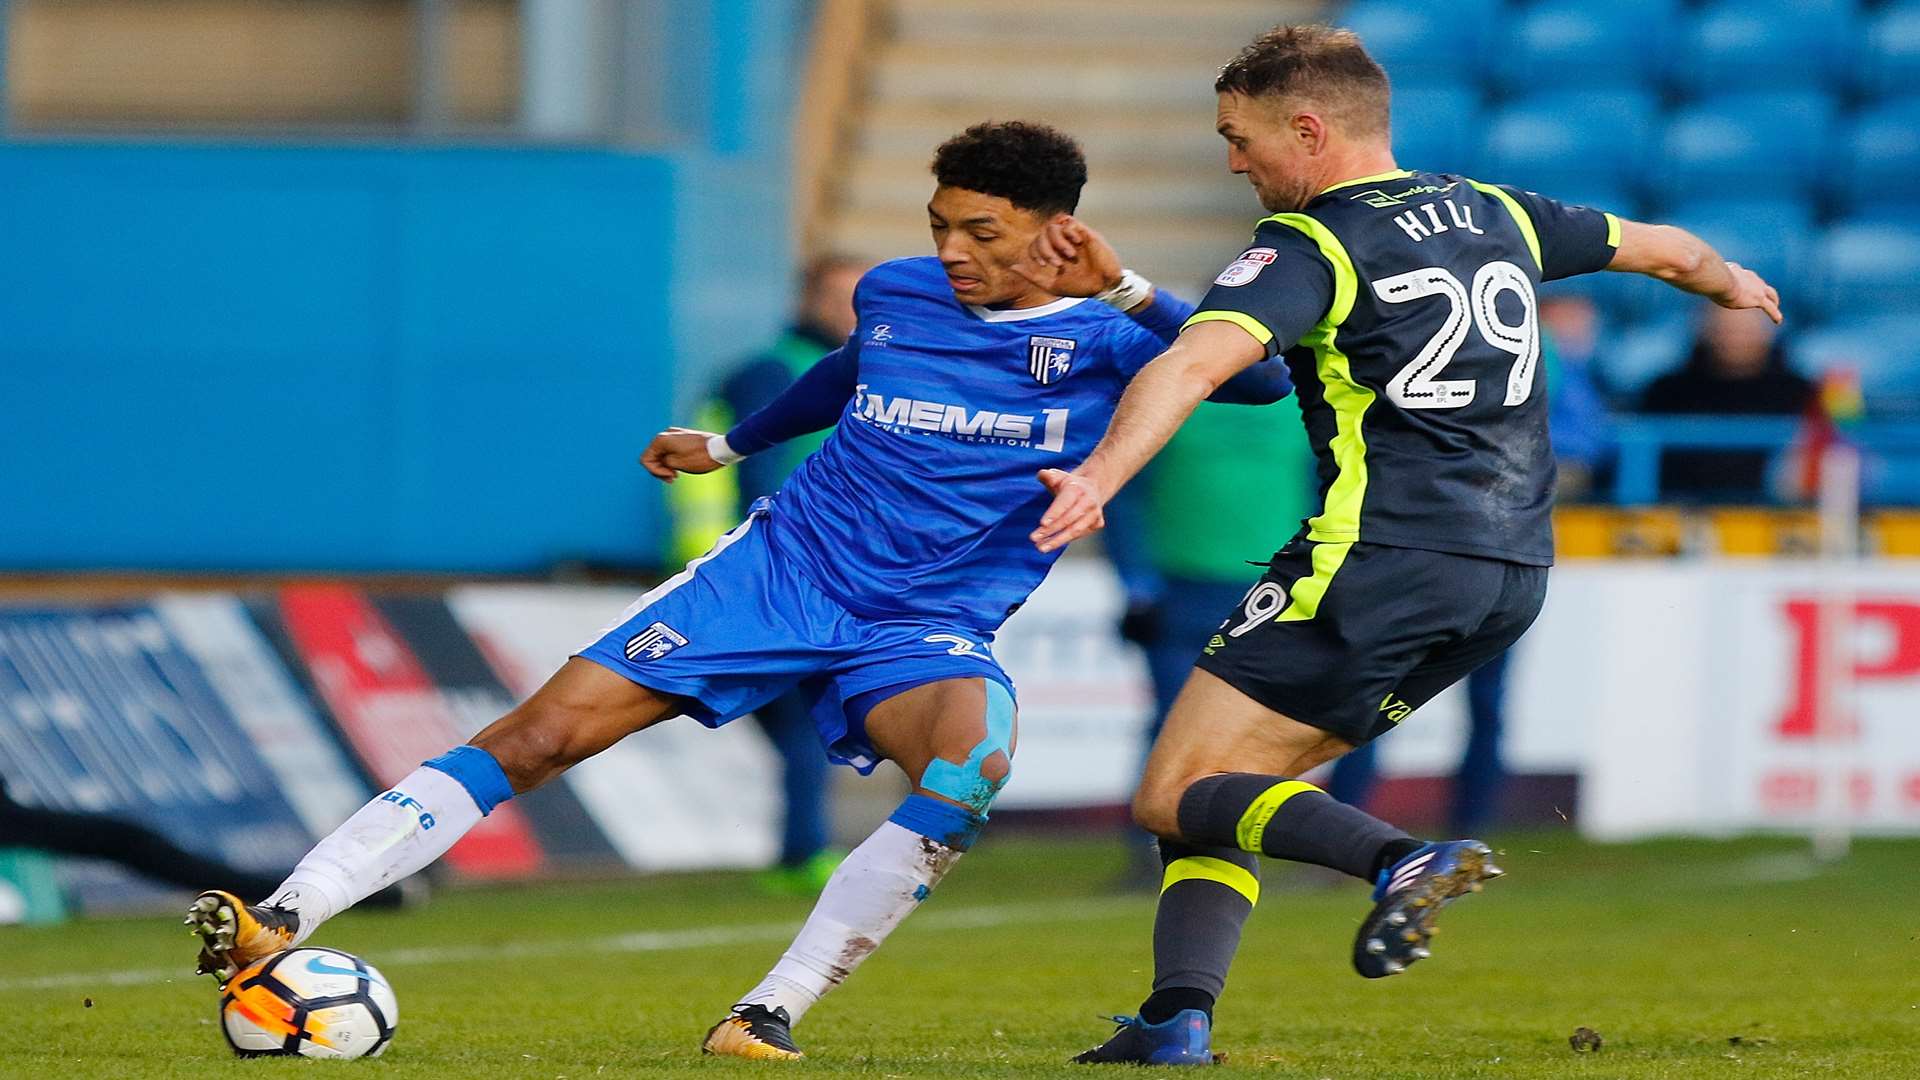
[[1130, 292], [718, 450]]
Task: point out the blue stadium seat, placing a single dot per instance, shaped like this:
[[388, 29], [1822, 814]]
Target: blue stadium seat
[[1554, 142], [1742, 45], [1885, 350], [1572, 44], [1882, 159], [1869, 268], [1772, 145], [1437, 128], [1773, 237], [1631, 298], [1642, 352], [1422, 44], [1889, 63]]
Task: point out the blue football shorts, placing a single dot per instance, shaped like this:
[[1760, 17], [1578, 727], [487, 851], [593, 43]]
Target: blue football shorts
[[741, 625]]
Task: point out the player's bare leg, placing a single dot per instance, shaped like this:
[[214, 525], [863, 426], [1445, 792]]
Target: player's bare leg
[[955, 740], [580, 711]]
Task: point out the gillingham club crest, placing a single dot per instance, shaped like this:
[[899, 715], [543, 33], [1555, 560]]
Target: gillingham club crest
[[653, 643], [1049, 358]]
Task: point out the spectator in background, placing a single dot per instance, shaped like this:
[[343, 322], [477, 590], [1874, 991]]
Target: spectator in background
[[1184, 533], [1581, 428], [706, 506], [821, 325], [1737, 368]]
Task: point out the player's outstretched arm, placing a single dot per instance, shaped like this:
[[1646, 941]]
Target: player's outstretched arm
[[1156, 403], [1687, 262], [813, 403]]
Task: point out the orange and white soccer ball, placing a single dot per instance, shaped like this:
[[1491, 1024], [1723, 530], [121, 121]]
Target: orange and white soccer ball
[[308, 1002]]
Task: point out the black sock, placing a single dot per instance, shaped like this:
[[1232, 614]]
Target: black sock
[[1392, 852], [1163, 1005], [1205, 898], [1284, 819]]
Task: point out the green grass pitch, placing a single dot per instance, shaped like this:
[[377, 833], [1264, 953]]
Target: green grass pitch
[[1691, 959]]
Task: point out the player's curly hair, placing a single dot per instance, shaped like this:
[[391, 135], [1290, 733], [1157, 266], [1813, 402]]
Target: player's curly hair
[[1032, 166], [1323, 64]]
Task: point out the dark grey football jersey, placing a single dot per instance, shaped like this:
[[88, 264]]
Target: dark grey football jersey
[[1405, 307]]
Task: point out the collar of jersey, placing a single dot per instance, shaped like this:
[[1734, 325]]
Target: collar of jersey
[[1017, 314], [1375, 179]]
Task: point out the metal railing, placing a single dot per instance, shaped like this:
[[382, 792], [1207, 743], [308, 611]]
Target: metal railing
[[1642, 441]]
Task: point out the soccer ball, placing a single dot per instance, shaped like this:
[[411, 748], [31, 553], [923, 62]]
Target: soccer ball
[[317, 1003]]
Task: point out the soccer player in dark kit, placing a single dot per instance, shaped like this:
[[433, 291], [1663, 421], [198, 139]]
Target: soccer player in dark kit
[[1404, 304]]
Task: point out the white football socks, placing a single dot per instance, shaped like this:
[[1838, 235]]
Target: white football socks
[[878, 885], [396, 835]]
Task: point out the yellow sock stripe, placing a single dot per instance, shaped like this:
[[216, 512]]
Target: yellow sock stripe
[[1203, 868], [1253, 823]]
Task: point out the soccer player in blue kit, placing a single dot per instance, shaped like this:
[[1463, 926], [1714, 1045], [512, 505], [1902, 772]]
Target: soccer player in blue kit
[[872, 582]]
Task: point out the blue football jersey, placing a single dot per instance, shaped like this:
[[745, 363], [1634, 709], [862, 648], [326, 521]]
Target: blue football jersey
[[921, 501]]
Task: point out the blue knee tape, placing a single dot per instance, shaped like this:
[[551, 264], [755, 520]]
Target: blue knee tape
[[478, 772], [964, 783], [955, 826]]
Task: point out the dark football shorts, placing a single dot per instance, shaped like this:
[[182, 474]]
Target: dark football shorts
[[1351, 638]]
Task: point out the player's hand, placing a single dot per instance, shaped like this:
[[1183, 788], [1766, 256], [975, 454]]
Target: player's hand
[[1750, 290], [1070, 259], [678, 450], [1079, 509]]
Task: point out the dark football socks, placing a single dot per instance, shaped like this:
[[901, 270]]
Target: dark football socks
[[1288, 819], [1206, 894]]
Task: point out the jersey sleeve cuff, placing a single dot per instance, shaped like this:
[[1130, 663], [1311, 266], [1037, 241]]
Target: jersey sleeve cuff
[[1238, 318], [1613, 229], [721, 451]]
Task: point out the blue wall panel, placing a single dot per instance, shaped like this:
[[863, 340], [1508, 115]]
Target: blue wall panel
[[259, 357]]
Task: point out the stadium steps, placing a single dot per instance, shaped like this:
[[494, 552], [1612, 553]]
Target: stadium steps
[[896, 185], [1158, 244], [1131, 79], [993, 23]]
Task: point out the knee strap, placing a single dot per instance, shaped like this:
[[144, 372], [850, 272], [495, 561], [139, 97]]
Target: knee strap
[[964, 783]]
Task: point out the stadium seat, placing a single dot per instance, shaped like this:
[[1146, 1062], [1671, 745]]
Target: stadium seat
[[1774, 237], [1566, 45], [1869, 268], [1642, 352], [1624, 298], [1423, 44], [1554, 142], [1885, 350], [1889, 63], [1741, 45], [1882, 158], [1759, 145], [1437, 128]]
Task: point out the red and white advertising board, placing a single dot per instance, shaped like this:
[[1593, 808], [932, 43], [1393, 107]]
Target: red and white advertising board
[[1696, 691]]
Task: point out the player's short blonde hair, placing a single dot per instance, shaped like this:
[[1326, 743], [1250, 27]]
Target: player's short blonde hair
[[1324, 65]]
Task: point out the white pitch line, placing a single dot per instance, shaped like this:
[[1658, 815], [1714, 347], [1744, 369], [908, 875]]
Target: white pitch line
[[641, 942]]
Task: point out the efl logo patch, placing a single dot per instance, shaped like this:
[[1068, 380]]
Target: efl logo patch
[[653, 643], [1049, 358], [1246, 267]]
